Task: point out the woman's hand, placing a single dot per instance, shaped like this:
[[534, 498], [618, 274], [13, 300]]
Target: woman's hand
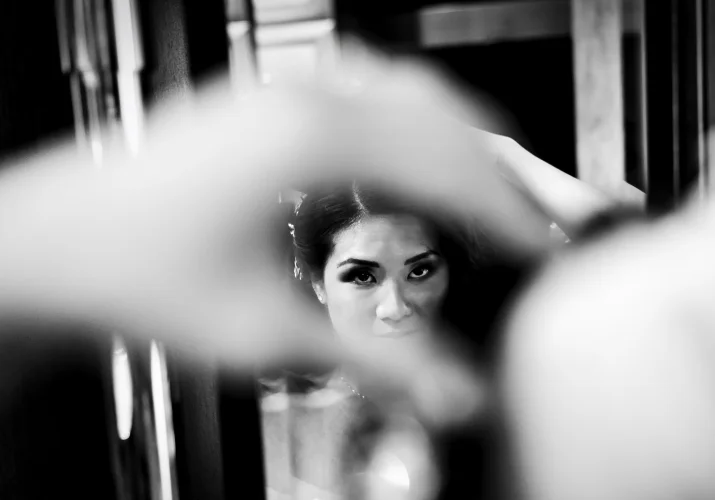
[[609, 367], [179, 242]]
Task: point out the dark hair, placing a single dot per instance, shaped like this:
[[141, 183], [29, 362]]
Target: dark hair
[[480, 277], [325, 213]]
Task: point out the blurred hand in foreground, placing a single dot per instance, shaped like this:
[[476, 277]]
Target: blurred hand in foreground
[[609, 367], [179, 242]]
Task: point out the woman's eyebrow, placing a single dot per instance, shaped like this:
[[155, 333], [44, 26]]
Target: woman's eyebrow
[[419, 257], [366, 263]]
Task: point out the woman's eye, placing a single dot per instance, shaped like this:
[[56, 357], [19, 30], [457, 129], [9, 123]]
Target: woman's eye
[[421, 272], [363, 278], [359, 277]]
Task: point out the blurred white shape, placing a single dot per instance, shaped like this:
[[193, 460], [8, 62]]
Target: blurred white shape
[[132, 109], [305, 32], [97, 150], [241, 57], [127, 36], [130, 61], [391, 469], [123, 389], [387, 478], [274, 403], [290, 62], [403, 464], [296, 51], [163, 419]]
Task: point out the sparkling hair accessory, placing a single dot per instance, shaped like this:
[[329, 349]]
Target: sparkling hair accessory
[[297, 273]]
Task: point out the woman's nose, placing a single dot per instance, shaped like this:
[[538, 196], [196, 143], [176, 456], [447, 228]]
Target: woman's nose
[[392, 305]]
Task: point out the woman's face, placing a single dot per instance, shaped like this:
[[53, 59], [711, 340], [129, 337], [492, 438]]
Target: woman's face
[[384, 280]]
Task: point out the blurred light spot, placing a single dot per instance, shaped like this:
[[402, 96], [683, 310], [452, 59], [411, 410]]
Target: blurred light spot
[[392, 470], [123, 393]]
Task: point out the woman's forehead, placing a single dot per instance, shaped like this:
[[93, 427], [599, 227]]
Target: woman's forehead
[[375, 236]]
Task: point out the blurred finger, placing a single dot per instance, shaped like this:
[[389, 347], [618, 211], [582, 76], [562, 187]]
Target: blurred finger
[[393, 136], [609, 367]]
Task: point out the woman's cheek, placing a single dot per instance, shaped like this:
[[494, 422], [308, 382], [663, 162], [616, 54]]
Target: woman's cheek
[[430, 296], [351, 314]]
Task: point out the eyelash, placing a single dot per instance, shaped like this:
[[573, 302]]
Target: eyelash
[[427, 267], [352, 275]]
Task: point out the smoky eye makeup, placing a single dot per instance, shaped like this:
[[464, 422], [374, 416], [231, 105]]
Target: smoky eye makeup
[[422, 271], [358, 275], [425, 269]]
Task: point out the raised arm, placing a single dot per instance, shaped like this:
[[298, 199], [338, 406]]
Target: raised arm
[[566, 200]]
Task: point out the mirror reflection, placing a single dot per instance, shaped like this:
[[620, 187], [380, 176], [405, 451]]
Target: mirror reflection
[[386, 272], [467, 187]]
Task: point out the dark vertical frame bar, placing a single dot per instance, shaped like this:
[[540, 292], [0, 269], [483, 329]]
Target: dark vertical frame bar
[[660, 31], [241, 439], [691, 97], [674, 51], [641, 137], [199, 464], [184, 41], [165, 49], [709, 84], [206, 22]]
